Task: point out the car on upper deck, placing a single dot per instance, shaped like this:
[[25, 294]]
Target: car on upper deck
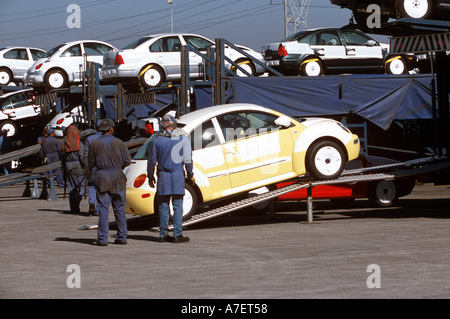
[[152, 60], [331, 51], [15, 61], [65, 64], [240, 147], [417, 9]]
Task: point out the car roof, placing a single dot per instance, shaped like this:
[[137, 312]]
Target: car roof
[[193, 119], [19, 47], [14, 92]]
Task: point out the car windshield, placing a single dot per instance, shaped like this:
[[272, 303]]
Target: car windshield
[[296, 36], [136, 43], [52, 51]]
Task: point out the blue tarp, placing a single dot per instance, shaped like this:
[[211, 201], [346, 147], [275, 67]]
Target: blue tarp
[[380, 99]]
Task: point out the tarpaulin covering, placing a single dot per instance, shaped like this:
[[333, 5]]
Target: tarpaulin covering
[[380, 99]]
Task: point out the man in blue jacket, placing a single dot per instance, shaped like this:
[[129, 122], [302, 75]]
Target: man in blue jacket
[[109, 156], [170, 153]]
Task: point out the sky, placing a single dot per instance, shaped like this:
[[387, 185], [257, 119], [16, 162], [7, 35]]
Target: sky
[[46, 24]]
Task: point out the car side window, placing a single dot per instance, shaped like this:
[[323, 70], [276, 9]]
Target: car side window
[[354, 38], [239, 125], [204, 136], [198, 43], [36, 54], [15, 101], [74, 50], [168, 44], [325, 38], [91, 48], [16, 54]]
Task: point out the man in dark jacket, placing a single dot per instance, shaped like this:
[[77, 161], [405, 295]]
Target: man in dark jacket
[[73, 164], [49, 153], [108, 156], [170, 153]]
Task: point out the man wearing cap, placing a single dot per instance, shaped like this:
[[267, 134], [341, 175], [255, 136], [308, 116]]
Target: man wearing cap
[[171, 154], [108, 156], [49, 153]]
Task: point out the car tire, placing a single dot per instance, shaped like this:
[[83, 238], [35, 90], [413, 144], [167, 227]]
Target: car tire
[[55, 79], [311, 68], [325, 160], [151, 76], [6, 76], [383, 193], [415, 9], [247, 65], [10, 126], [397, 66]]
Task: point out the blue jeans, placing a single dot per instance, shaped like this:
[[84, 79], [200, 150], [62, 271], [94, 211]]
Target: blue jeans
[[164, 214], [118, 204]]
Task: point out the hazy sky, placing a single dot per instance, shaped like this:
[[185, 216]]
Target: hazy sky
[[43, 24]]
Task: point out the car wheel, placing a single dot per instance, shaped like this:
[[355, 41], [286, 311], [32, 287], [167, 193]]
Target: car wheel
[[55, 80], [418, 9], [383, 193], [151, 76], [10, 126], [247, 65], [5, 76], [311, 68], [397, 66], [190, 202], [325, 160]]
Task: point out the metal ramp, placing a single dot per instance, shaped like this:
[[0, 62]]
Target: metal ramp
[[350, 176], [409, 168]]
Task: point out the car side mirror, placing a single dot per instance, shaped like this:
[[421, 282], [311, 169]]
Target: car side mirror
[[371, 43], [283, 121]]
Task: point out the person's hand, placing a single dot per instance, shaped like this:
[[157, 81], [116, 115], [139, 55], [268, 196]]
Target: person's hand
[[191, 180], [151, 181]]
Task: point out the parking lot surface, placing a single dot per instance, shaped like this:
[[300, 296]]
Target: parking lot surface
[[356, 252]]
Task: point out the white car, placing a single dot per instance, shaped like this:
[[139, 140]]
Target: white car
[[64, 64], [15, 61], [241, 147], [331, 51], [16, 110], [155, 59], [71, 114]]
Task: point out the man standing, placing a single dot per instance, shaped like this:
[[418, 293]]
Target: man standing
[[109, 156], [49, 153], [92, 195], [73, 164], [170, 153]]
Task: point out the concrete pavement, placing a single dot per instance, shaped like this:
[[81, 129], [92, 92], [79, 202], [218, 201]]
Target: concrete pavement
[[345, 253]]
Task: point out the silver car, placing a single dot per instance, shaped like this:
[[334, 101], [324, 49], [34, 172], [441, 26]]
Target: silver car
[[64, 64], [15, 61], [18, 109], [155, 59]]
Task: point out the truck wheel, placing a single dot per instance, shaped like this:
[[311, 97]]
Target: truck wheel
[[383, 193]]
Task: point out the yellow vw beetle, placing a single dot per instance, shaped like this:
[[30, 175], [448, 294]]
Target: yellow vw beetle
[[241, 147]]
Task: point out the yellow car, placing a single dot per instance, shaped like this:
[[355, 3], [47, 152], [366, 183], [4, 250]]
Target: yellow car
[[241, 147]]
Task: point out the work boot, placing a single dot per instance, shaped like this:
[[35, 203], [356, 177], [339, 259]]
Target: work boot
[[180, 239]]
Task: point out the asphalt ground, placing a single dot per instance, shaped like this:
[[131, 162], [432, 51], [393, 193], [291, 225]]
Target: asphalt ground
[[358, 252]]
